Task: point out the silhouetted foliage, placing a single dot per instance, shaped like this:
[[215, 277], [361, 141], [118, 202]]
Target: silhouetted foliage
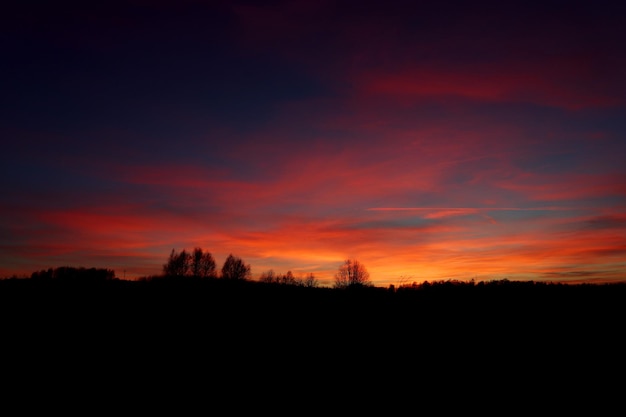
[[199, 264], [270, 277], [310, 281], [202, 264], [234, 268], [352, 274], [71, 274], [178, 264]]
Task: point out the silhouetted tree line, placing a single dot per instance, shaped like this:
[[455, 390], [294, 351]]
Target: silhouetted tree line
[[197, 264], [71, 274], [351, 275], [201, 264], [271, 277], [501, 284], [190, 292]]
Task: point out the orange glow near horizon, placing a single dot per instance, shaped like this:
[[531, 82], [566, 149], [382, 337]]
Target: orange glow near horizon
[[445, 243]]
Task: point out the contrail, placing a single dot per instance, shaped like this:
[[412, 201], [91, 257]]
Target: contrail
[[551, 208]]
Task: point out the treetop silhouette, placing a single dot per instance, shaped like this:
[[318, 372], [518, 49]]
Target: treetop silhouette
[[352, 273]]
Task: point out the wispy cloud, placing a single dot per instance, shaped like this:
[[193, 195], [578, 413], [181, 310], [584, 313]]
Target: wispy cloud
[[470, 210]]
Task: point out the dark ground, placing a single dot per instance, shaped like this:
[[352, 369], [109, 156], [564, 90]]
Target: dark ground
[[212, 339]]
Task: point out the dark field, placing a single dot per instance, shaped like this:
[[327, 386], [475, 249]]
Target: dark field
[[305, 343]]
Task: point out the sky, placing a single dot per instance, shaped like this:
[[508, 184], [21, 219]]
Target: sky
[[430, 141]]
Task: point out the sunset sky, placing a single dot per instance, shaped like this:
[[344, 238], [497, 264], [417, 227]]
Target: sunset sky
[[428, 140]]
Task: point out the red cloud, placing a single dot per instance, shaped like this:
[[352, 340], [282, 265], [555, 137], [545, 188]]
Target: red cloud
[[504, 82], [566, 186]]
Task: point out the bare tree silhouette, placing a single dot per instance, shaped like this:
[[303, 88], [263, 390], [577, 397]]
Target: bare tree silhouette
[[309, 281], [202, 264], [235, 268], [177, 264], [352, 274], [271, 277]]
